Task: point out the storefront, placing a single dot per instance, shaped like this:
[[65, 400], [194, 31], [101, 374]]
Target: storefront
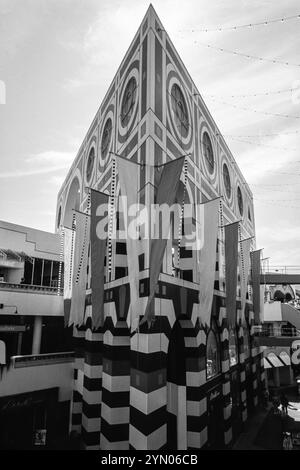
[[29, 421], [215, 418]]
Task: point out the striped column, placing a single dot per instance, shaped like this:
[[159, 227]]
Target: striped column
[[242, 373], [115, 386], [148, 386], [253, 358], [76, 403], [195, 342], [92, 388], [226, 382]]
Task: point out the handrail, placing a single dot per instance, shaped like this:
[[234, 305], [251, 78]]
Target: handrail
[[41, 359], [280, 269], [28, 287]]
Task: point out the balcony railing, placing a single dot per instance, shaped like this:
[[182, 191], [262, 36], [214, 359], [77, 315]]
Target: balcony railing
[[292, 269], [276, 331], [30, 288], [41, 359]]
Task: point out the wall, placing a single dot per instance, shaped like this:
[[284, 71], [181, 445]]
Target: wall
[[28, 379], [29, 303], [33, 242]]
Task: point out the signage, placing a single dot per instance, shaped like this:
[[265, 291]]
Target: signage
[[12, 328], [40, 437]]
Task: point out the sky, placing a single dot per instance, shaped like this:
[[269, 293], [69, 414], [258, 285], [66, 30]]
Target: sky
[[58, 57]]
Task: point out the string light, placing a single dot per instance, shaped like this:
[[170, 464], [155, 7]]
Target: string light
[[263, 93], [266, 113], [262, 135], [248, 56], [264, 145], [248, 25]]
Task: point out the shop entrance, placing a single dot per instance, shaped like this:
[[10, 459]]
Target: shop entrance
[[215, 421], [236, 414]]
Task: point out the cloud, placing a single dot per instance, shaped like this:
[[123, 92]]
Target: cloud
[[42, 163]]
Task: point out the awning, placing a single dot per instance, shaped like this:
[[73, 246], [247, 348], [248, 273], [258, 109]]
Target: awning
[[273, 360]]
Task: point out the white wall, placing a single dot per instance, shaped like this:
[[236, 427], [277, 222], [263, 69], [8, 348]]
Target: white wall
[[29, 379], [29, 303]]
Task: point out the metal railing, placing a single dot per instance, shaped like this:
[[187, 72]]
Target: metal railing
[[29, 288], [273, 269], [41, 359]]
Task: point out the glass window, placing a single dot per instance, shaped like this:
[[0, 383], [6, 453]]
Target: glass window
[[233, 355], [106, 138], [47, 273], [208, 153], [226, 179], [90, 164], [180, 110], [212, 355], [37, 273], [128, 101], [240, 200], [55, 272]]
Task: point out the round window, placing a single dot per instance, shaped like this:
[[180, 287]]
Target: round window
[[128, 101], [208, 152], [226, 180], [240, 200], [180, 111], [106, 138], [90, 164]]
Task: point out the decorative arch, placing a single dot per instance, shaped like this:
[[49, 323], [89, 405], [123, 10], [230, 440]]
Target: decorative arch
[[213, 358], [72, 200]]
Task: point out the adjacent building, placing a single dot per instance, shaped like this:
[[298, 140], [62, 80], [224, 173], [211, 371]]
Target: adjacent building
[[35, 349]]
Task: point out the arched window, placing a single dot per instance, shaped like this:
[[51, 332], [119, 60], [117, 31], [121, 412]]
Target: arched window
[[208, 152], [180, 110], [128, 102], [233, 354], [226, 179], [240, 201], [212, 355]]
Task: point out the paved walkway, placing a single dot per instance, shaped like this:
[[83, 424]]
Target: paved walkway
[[264, 429], [248, 436]]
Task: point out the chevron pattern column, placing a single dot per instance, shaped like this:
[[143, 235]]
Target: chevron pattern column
[[115, 386], [92, 388]]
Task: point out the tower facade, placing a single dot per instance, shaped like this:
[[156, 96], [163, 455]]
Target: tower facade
[[175, 383]]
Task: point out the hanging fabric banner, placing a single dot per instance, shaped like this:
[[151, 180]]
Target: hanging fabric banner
[[129, 182], [166, 193], [244, 266], [255, 272], [68, 239], [207, 258], [99, 233], [231, 262], [80, 268]]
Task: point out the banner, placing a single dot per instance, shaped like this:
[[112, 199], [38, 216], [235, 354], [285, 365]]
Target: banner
[[166, 193], [80, 268], [68, 238], [255, 271], [129, 183], [244, 266], [99, 212], [231, 262], [207, 259]]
